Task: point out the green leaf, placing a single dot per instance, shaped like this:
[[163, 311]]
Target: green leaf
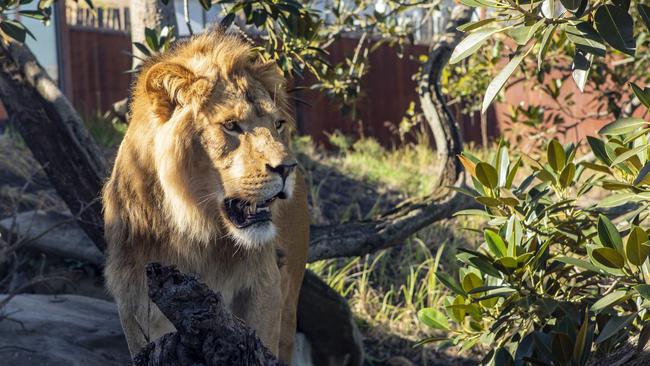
[[568, 173], [629, 154], [547, 37], [495, 243], [555, 155], [145, 51], [433, 318], [227, 20], [488, 201], [472, 42], [472, 212], [578, 263], [468, 27], [15, 30], [642, 94], [581, 340], [608, 257], [471, 281], [644, 11], [571, 5], [615, 25], [585, 37], [507, 262], [514, 234], [599, 149], [499, 81], [513, 172], [484, 266], [502, 164], [608, 234], [622, 126], [522, 34], [596, 167], [643, 173], [608, 301], [450, 283], [479, 3], [562, 347], [151, 38], [643, 290], [503, 358], [487, 175], [581, 65], [613, 326], [616, 200], [636, 247], [206, 4]]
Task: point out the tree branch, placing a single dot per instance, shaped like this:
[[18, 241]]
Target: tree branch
[[56, 135], [207, 333]]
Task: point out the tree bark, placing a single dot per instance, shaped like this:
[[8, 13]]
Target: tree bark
[[358, 238], [149, 14], [56, 135], [207, 333], [446, 133]]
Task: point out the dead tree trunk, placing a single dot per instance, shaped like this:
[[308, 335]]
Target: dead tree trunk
[[149, 14], [359, 238], [207, 333], [56, 135]]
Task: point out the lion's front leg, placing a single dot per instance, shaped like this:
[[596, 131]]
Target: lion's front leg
[[260, 306]]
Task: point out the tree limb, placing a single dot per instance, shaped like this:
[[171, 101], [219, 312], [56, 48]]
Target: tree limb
[[56, 135], [363, 237], [207, 333]]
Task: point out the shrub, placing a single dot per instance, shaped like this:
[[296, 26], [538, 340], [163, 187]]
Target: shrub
[[557, 277]]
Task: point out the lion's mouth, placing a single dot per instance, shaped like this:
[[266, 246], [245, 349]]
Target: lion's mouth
[[243, 214]]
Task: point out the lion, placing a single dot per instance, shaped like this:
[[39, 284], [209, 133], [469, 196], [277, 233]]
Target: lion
[[205, 179]]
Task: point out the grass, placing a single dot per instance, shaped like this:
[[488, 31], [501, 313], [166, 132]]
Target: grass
[[386, 289]]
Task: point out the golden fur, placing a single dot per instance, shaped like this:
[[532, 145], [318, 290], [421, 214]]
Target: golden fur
[[179, 161]]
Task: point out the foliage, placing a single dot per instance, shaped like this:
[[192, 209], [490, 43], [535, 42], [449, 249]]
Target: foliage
[[558, 278], [297, 35], [156, 40], [582, 27], [556, 272], [14, 28]]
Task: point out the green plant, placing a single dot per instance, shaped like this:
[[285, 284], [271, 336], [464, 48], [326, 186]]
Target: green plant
[[558, 275]]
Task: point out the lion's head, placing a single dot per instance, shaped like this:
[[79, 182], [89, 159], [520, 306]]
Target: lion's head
[[215, 121]]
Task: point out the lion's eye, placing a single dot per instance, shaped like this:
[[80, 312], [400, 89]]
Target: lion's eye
[[279, 125], [232, 126]]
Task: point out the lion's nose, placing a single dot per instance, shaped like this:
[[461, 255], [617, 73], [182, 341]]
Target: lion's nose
[[283, 169]]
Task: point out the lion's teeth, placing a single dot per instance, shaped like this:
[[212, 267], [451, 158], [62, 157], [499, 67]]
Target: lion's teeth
[[263, 209]]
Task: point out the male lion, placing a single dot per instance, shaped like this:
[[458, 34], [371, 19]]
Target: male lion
[[205, 180]]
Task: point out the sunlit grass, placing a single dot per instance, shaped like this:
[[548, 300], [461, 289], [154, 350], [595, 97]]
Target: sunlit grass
[[386, 289]]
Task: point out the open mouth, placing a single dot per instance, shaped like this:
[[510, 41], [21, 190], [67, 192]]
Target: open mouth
[[243, 214]]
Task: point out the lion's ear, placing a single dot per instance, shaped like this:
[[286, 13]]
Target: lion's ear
[[169, 85]]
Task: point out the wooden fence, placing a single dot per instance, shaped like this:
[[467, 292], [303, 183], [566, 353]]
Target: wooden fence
[[99, 62]]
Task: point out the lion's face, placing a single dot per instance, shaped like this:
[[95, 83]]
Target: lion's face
[[246, 137], [221, 144]]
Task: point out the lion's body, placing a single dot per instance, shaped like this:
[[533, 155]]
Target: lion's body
[[164, 201]]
